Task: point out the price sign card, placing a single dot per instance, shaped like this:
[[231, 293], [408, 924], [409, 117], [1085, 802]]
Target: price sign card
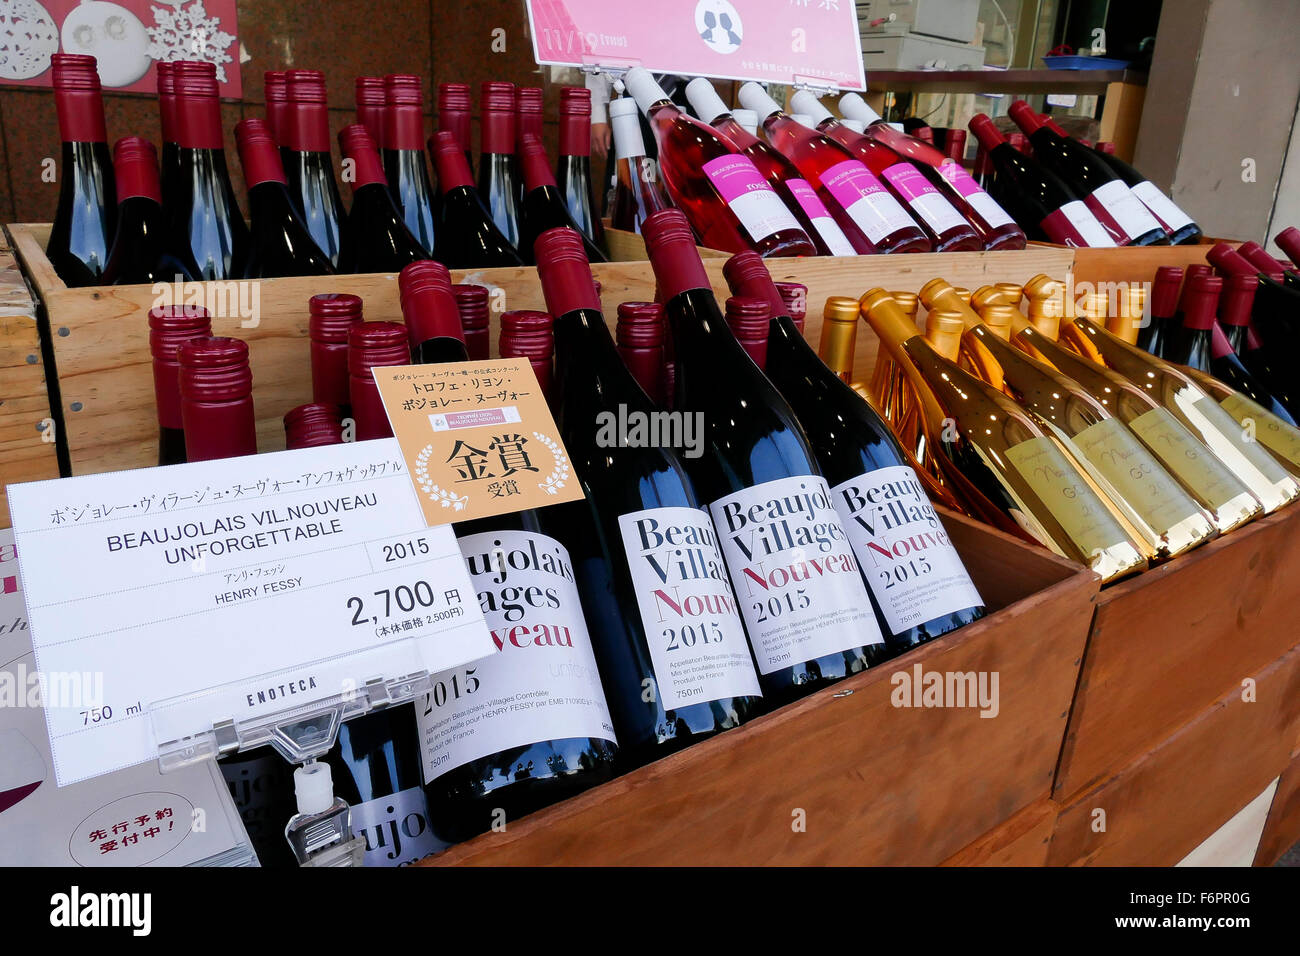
[[238, 589], [477, 437]]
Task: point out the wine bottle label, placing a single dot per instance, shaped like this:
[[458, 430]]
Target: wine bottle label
[[1162, 207], [865, 199], [396, 828], [1183, 454], [826, 227], [541, 684], [793, 569], [906, 556], [980, 201], [1117, 208], [924, 199], [1067, 496], [688, 608], [1134, 472], [1075, 225], [750, 197], [1270, 431], [1248, 448]]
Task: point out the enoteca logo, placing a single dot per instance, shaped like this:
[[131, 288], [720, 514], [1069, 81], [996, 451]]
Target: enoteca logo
[[130, 910]]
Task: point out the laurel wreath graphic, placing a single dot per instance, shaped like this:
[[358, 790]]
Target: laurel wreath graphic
[[560, 475], [448, 499]]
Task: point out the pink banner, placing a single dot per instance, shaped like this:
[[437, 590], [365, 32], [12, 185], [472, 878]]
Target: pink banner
[[126, 37], [774, 41]]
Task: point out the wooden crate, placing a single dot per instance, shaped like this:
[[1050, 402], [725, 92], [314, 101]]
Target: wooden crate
[[1020, 840], [1166, 644], [624, 246], [100, 342], [1163, 804], [1137, 263], [877, 784], [28, 449], [1282, 826]]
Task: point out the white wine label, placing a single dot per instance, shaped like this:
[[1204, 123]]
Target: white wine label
[[1067, 496], [688, 608], [1086, 223], [396, 828], [1125, 208], [1279, 437], [1132, 469], [542, 682], [1161, 206], [1187, 457], [750, 197], [914, 572], [793, 568]]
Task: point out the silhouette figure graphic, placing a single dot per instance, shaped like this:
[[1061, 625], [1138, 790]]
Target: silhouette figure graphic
[[724, 21], [711, 22]]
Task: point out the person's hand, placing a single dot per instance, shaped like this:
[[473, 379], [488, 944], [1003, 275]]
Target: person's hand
[[600, 139]]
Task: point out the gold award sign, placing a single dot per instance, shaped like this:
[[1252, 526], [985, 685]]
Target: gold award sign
[[477, 437]]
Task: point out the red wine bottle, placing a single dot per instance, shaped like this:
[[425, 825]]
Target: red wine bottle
[[170, 156], [276, 91], [1256, 255], [528, 122], [781, 174], [86, 217], [308, 166], [996, 229], [1040, 201], [313, 425], [333, 315], [1235, 306], [573, 172], [748, 318], [497, 183], [280, 243], [637, 191], [467, 237], [216, 388], [370, 100], [912, 184], [799, 586], [1227, 367], [402, 149], [1156, 336], [868, 212], [370, 345], [480, 760], [376, 238], [530, 334], [142, 250], [728, 202], [1181, 228], [454, 114], [170, 327], [1120, 213], [639, 334], [1190, 345], [472, 304], [545, 206], [1288, 240], [795, 297], [205, 217], [668, 640], [917, 581]]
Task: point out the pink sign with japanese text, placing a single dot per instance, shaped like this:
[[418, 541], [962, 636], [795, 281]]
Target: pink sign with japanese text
[[773, 41]]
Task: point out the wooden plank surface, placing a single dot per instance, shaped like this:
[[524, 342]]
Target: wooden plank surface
[[1040, 80], [1021, 840], [27, 447], [1135, 263], [1167, 643], [100, 336], [1163, 804], [1282, 827], [878, 784]]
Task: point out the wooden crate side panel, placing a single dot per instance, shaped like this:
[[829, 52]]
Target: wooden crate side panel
[[1282, 827], [1020, 840], [27, 447], [1134, 263], [1165, 803], [875, 783], [1166, 644]]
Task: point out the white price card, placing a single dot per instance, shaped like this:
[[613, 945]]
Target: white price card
[[185, 596]]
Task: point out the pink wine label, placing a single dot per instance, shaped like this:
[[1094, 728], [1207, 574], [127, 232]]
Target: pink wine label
[[1074, 225], [750, 197], [980, 201], [923, 198], [827, 228], [865, 199]]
